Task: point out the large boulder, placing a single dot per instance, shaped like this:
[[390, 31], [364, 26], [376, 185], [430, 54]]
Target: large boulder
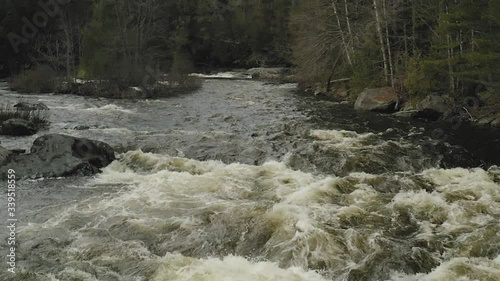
[[60, 155], [18, 127], [434, 107], [436, 103], [380, 99], [30, 106]]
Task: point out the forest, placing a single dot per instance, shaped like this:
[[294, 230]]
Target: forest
[[98, 39], [416, 47]]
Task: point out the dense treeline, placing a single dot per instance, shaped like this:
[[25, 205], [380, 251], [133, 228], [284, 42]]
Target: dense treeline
[[124, 38], [418, 47], [42, 32]]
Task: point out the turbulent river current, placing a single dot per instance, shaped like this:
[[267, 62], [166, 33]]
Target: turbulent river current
[[251, 181]]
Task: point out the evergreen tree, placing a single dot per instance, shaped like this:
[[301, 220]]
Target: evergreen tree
[[423, 46]]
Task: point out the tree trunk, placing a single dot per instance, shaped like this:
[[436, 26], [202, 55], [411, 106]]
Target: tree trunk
[[389, 50], [68, 55], [381, 41], [349, 29], [450, 56], [66, 27], [405, 38], [342, 36], [414, 26], [348, 21], [122, 30]]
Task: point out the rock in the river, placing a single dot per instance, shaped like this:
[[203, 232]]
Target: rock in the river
[[456, 115], [18, 127], [267, 72], [81, 128], [494, 173], [30, 106], [433, 107], [496, 122], [134, 93], [4, 155], [437, 103], [405, 113], [60, 155], [380, 99], [487, 120]]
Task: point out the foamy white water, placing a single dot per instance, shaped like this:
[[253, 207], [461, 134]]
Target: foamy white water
[[174, 218], [110, 108], [230, 268]]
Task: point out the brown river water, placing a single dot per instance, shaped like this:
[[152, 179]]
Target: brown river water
[[251, 181]]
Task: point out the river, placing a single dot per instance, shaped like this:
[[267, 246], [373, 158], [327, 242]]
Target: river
[[247, 180]]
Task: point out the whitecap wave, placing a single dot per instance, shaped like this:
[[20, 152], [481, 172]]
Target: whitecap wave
[[173, 218], [110, 108]]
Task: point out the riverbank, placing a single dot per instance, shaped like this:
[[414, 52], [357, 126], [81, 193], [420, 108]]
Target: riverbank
[[153, 85], [474, 110], [117, 90], [482, 110]]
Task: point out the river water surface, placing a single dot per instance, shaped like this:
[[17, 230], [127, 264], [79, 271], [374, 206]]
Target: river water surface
[[244, 180]]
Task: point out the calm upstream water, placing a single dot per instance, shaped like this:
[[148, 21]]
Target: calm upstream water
[[247, 181]]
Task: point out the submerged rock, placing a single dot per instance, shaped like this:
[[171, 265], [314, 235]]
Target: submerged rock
[[380, 99], [18, 127], [60, 155], [30, 106]]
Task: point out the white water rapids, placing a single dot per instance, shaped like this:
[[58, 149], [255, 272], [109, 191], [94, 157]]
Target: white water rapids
[[154, 216], [180, 219]]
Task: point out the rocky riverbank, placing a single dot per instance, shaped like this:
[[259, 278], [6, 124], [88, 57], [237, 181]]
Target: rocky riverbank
[[151, 84], [479, 110], [116, 90]]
